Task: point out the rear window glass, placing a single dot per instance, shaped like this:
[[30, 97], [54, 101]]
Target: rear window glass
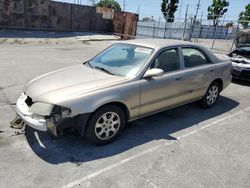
[[194, 57]]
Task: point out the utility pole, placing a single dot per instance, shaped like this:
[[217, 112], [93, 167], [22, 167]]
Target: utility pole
[[124, 5], [180, 8], [194, 20], [201, 15], [93, 2], [185, 26], [223, 20], [159, 21], [197, 9], [201, 28], [138, 9], [186, 13]]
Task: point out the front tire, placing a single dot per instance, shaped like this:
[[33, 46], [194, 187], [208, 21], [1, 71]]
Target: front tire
[[211, 95], [105, 125]]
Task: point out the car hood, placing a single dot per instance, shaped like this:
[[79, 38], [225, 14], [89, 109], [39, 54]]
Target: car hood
[[69, 82]]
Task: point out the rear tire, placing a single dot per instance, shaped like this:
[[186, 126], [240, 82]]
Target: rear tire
[[211, 96], [105, 125]]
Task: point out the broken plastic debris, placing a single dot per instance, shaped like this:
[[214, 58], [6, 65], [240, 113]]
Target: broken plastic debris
[[18, 133], [17, 123]]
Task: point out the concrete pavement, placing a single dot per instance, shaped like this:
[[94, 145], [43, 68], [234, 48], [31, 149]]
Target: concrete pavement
[[182, 147]]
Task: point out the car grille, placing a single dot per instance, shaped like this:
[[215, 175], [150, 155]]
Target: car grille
[[28, 101]]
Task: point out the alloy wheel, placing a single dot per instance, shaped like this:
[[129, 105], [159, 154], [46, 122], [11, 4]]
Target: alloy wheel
[[212, 94], [107, 125]]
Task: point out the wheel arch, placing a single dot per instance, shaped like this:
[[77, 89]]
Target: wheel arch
[[116, 103], [219, 81], [119, 104]]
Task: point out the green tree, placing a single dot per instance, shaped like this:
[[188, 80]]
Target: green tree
[[217, 10], [244, 17], [109, 4], [168, 8]]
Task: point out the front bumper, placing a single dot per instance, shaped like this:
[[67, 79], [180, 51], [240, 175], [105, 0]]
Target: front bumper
[[48, 124], [33, 120], [243, 74]]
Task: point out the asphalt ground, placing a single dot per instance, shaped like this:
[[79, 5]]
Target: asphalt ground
[[183, 147]]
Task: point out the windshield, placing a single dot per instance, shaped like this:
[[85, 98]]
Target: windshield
[[121, 59]]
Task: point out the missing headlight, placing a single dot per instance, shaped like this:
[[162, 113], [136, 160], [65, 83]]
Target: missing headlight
[[59, 114]]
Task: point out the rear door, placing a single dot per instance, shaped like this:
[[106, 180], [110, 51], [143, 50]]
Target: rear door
[[198, 70]]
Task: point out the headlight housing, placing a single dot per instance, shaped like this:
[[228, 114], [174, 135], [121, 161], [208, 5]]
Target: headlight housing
[[55, 113], [40, 108]]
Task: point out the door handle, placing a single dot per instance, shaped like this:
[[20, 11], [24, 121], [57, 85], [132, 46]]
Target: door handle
[[179, 78]]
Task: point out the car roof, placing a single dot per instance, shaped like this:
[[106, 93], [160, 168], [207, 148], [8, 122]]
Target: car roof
[[157, 43], [164, 43]]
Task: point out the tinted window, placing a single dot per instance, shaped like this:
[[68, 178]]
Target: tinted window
[[194, 57], [167, 60]]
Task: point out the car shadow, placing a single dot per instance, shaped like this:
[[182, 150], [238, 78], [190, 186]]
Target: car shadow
[[73, 148]]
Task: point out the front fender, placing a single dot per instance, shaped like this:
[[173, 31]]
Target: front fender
[[127, 94], [89, 104]]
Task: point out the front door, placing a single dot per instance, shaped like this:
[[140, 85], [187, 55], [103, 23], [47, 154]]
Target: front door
[[165, 91]]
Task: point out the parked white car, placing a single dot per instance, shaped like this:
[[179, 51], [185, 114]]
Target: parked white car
[[240, 56]]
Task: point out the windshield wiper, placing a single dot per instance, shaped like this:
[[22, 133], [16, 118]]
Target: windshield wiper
[[87, 63], [104, 70]]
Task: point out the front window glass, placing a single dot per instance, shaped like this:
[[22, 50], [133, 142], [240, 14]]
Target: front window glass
[[121, 59], [167, 60]]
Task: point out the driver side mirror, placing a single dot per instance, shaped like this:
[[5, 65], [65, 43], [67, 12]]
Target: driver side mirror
[[154, 72]]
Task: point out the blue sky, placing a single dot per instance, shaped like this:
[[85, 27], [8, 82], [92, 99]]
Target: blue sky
[[152, 7]]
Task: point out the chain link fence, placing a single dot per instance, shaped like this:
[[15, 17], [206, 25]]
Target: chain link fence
[[217, 37]]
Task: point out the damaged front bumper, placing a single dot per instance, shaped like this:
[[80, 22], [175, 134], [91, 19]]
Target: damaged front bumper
[[33, 120], [46, 117], [50, 122]]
